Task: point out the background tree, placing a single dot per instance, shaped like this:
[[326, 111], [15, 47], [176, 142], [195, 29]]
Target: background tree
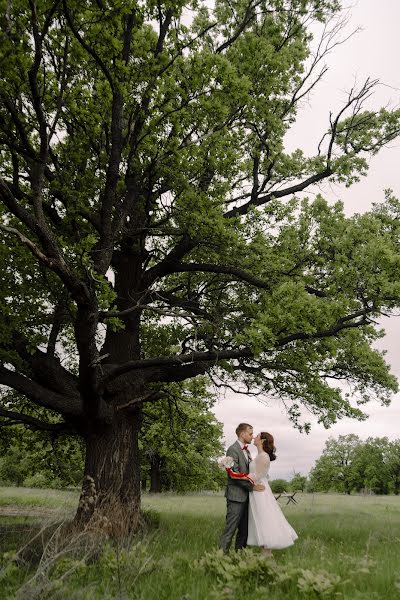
[[350, 464], [143, 175], [279, 486], [393, 463], [181, 439], [333, 470], [40, 454], [298, 482], [369, 468]]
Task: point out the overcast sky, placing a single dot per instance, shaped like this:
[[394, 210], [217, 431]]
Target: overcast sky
[[373, 52]]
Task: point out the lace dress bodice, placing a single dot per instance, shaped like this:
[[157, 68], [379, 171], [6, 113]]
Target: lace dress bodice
[[259, 466]]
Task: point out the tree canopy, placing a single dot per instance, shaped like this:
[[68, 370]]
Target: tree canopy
[[151, 230]]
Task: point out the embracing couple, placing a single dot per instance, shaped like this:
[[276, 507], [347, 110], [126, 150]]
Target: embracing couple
[[252, 510]]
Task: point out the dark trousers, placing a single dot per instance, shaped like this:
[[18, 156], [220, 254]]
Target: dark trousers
[[237, 514]]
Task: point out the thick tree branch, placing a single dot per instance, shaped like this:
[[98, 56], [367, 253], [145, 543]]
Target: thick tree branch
[[104, 247], [86, 47], [32, 422], [249, 16], [185, 245], [37, 169], [294, 189], [164, 24], [66, 405], [59, 317], [343, 323], [78, 289], [29, 244], [236, 272], [169, 374], [177, 361]]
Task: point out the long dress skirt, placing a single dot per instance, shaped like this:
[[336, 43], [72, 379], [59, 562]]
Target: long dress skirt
[[267, 524]]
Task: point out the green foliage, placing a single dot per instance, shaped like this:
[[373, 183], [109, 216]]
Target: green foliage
[[319, 583], [179, 442], [369, 467], [349, 464], [333, 470], [181, 439], [38, 458], [340, 536], [278, 486], [246, 569], [148, 211], [298, 483], [34, 461]]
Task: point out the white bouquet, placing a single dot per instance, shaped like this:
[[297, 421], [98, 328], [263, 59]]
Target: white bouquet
[[225, 462]]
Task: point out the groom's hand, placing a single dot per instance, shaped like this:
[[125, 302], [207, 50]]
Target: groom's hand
[[258, 487]]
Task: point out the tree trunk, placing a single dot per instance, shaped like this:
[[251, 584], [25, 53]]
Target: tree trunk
[[110, 497], [155, 474], [111, 488]]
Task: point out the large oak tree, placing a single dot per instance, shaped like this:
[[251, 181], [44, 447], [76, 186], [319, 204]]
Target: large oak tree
[[146, 195]]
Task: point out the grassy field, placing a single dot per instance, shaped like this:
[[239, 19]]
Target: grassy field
[[348, 547]]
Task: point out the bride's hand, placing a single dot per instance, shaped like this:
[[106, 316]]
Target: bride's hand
[[258, 487]]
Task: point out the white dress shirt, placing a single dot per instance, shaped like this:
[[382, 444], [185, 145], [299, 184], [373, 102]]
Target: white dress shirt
[[242, 445]]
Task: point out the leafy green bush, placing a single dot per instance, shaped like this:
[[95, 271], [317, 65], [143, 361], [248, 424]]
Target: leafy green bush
[[14, 466], [37, 480], [33, 459], [246, 569], [279, 486]]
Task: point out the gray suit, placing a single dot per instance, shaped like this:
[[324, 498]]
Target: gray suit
[[237, 502]]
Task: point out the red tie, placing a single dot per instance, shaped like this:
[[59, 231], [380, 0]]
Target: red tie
[[244, 447]]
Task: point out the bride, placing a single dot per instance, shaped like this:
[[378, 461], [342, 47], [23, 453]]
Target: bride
[[267, 525]]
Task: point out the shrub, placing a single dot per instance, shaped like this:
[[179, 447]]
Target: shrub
[[37, 480], [278, 486], [241, 570]]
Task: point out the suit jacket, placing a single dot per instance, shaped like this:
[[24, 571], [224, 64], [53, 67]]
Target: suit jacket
[[238, 490]]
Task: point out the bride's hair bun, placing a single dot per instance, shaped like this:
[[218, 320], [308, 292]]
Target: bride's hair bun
[[268, 444]]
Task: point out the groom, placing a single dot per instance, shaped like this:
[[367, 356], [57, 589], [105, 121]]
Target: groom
[[237, 491]]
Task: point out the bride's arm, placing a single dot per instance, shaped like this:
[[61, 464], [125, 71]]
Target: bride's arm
[[260, 461]]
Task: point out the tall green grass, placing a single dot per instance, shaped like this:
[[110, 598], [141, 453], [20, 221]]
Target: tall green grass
[[34, 497], [355, 538]]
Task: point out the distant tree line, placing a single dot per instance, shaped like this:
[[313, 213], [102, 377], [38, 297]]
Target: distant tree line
[[349, 464]]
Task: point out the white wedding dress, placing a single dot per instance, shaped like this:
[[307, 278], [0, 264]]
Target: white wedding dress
[[267, 524]]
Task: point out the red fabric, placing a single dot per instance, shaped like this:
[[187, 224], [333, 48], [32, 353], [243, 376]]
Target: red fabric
[[239, 475]]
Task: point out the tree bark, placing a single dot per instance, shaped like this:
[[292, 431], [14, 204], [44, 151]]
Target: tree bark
[[110, 497]]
